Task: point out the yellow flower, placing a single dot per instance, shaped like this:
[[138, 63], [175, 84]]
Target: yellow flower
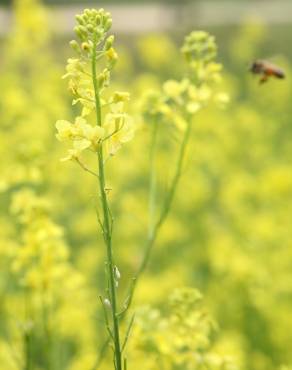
[[78, 147], [64, 130], [120, 96], [95, 135], [120, 130], [112, 55], [74, 68], [175, 89], [88, 132], [81, 127]]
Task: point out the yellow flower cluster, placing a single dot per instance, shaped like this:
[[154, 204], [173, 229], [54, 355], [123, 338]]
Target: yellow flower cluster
[[179, 99], [115, 126], [229, 232], [55, 292], [178, 334], [117, 129]]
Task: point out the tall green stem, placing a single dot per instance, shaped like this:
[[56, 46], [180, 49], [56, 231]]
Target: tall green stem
[[47, 330], [27, 346], [154, 228], [153, 231], [107, 233], [28, 360], [152, 181]]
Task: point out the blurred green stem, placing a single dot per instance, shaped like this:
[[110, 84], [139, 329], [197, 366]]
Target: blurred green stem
[[153, 231], [106, 224], [28, 361], [48, 355], [152, 181], [153, 228], [27, 345]]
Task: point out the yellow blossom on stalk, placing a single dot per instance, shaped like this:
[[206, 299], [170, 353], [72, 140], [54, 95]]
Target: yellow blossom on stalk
[[194, 91], [46, 282], [179, 334], [101, 127], [82, 135], [64, 130], [116, 126], [119, 127]]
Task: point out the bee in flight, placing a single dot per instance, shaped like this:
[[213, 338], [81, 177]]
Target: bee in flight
[[266, 70]]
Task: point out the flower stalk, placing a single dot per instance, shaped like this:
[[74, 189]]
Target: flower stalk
[[176, 105], [102, 128], [178, 102], [154, 228], [107, 229]]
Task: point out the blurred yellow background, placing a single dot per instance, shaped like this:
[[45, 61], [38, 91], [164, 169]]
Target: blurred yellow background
[[228, 234]]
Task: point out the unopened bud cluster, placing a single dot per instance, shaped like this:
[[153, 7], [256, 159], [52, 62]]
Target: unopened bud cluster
[[91, 30], [200, 51], [199, 45], [179, 99]]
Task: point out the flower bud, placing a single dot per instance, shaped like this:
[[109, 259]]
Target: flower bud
[[74, 45], [121, 96], [109, 42], [90, 28], [112, 57], [101, 80], [97, 19], [117, 273], [81, 32], [79, 19], [111, 54], [108, 24], [85, 46], [99, 33]]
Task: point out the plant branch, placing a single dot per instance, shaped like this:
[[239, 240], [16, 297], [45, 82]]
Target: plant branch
[[153, 231], [86, 168], [106, 221]]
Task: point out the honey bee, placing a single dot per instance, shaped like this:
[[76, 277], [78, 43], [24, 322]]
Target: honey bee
[[266, 70]]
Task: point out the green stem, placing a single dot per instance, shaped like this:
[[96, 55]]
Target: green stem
[[152, 182], [152, 236], [153, 231], [47, 331], [107, 224], [28, 364]]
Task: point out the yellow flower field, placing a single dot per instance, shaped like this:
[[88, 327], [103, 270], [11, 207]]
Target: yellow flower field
[[146, 200]]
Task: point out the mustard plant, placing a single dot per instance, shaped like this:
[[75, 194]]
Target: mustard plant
[[179, 334], [177, 105], [46, 292], [101, 128]]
